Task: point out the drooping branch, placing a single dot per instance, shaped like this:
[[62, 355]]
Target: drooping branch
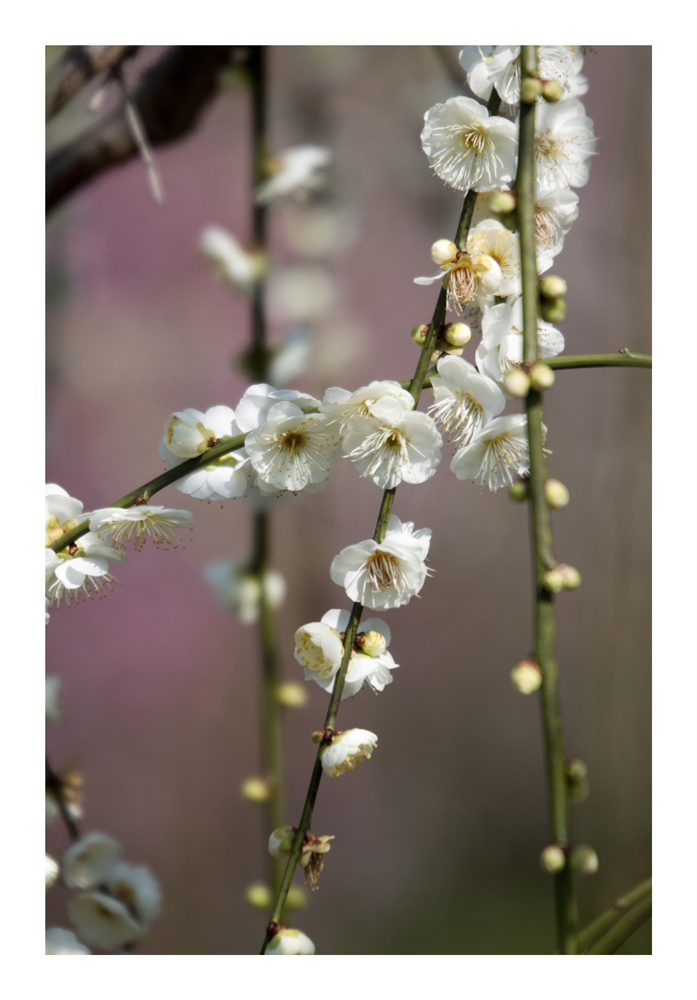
[[624, 928], [81, 64], [602, 924]]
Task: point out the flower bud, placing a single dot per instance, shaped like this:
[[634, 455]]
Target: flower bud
[[259, 896], [556, 494], [553, 859], [347, 750], [456, 352], [562, 577], [552, 311], [518, 491], [517, 383], [571, 576], [530, 90], [296, 899], [488, 271], [288, 941], [281, 841], [552, 287], [502, 202], [458, 334], [443, 251], [291, 695], [576, 769], [418, 334], [583, 859], [371, 643], [541, 376], [255, 790], [578, 791], [526, 676], [552, 91]]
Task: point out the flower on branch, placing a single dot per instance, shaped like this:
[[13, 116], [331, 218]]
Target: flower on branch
[[312, 857], [467, 147], [103, 920], [496, 454], [288, 941], [489, 66], [501, 348], [464, 399], [240, 268], [564, 141], [136, 887], [464, 276], [295, 171], [81, 569], [384, 574], [370, 663], [189, 434], [87, 861], [342, 406], [159, 523], [347, 750], [293, 450]]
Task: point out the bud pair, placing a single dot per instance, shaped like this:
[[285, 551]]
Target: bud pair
[[518, 381], [562, 577], [581, 857], [260, 897], [577, 780]]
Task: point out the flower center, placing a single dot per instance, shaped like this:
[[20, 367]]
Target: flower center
[[385, 571], [473, 137], [54, 530], [547, 229], [293, 441]]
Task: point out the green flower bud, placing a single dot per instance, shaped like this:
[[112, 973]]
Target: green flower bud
[[502, 202], [583, 859], [562, 577], [552, 91], [526, 676], [418, 334], [371, 643], [530, 90], [541, 376], [255, 790], [553, 859], [259, 896], [552, 311], [578, 791], [518, 491], [576, 769], [517, 383], [556, 494], [572, 577], [296, 899], [457, 334], [552, 287], [291, 695], [281, 841]]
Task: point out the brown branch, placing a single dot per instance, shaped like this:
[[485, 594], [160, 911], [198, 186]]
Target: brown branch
[[82, 64], [169, 99]]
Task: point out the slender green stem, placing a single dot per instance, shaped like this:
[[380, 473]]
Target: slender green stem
[[624, 928], [415, 386], [623, 359], [594, 931], [541, 529]]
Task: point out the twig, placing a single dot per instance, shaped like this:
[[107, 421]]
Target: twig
[[593, 932], [135, 123], [624, 928], [82, 63]]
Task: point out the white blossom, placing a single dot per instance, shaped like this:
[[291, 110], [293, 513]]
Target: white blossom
[[464, 276], [295, 171], [393, 444], [467, 147], [464, 399], [496, 454], [319, 649], [288, 941], [489, 66], [253, 409], [293, 450], [347, 750], [564, 141], [342, 406], [370, 666], [81, 569], [136, 887], [53, 689], [119, 526], [491, 239], [52, 870], [242, 269], [386, 574], [238, 590], [189, 434], [87, 861], [62, 512], [501, 347], [555, 211], [62, 942], [103, 920]]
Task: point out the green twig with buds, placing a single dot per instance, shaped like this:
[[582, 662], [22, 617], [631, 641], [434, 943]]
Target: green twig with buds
[[543, 555], [631, 921], [594, 932]]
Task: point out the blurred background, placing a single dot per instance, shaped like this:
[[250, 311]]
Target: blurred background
[[438, 837]]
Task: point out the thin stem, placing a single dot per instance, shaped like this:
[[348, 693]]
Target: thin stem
[[624, 928], [623, 359], [54, 785], [415, 387], [593, 932], [541, 529]]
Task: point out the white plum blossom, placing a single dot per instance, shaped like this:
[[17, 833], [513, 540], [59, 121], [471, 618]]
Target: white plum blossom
[[52, 870], [242, 269], [555, 211], [319, 649], [62, 512], [491, 239], [138, 890], [464, 399], [564, 141], [81, 569], [238, 590], [53, 689], [288, 941], [295, 171], [467, 147], [393, 444], [347, 750], [496, 454], [189, 434], [386, 574], [119, 526], [342, 406], [293, 450], [88, 860], [489, 66], [62, 942], [464, 276], [370, 662], [103, 920], [501, 347]]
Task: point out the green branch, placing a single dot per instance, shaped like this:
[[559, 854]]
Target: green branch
[[624, 928], [623, 359], [594, 931]]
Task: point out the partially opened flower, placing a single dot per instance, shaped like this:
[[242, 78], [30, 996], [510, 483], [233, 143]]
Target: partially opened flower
[[281, 841], [88, 860], [119, 525], [496, 454], [62, 942], [465, 276], [385, 574], [288, 941], [489, 66], [238, 590], [492, 240], [501, 348], [564, 142], [347, 750], [189, 434], [103, 920], [62, 512], [467, 147], [136, 887], [242, 269], [370, 662], [253, 409], [319, 648], [342, 406], [464, 399], [293, 450], [393, 444], [295, 171]]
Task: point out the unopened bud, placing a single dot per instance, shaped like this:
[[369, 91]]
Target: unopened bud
[[552, 91], [517, 383], [562, 577], [578, 791], [556, 494], [371, 643], [291, 695], [453, 351], [583, 859], [541, 376], [296, 899], [552, 311], [572, 577], [418, 334], [576, 769], [255, 790], [553, 859], [443, 251], [502, 202], [530, 90], [281, 841], [526, 676], [553, 287], [518, 491], [458, 334], [259, 896]]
